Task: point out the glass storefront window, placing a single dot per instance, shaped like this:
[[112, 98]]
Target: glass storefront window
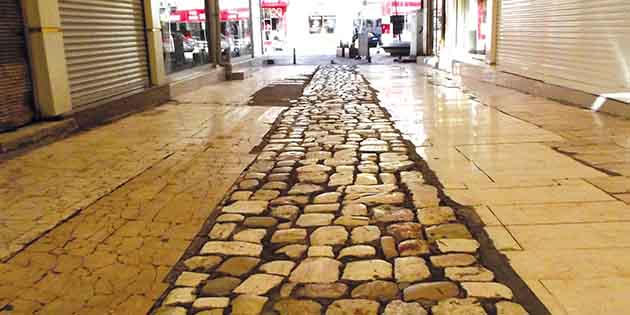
[[236, 33], [184, 34]]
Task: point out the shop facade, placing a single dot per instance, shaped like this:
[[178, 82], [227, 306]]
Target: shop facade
[[15, 82], [274, 26]]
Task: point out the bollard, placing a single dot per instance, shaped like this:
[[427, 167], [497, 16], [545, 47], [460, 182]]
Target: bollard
[[294, 58]]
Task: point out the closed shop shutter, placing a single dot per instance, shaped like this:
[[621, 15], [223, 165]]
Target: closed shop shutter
[[581, 44], [15, 84], [105, 47]]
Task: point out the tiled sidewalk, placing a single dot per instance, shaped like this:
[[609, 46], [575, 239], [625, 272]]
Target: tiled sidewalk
[[334, 217]]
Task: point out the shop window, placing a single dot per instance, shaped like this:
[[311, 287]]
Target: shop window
[[184, 34], [236, 33]]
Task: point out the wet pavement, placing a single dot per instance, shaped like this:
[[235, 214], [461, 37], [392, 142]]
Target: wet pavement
[[97, 223], [335, 217]]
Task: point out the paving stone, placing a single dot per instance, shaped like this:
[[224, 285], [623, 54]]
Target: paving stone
[[457, 307], [328, 197], [314, 219], [190, 279], [367, 270], [249, 184], [250, 235], [324, 207], [297, 307], [399, 307], [406, 230], [289, 200], [436, 215], [366, 179], [278, 267], [329, 235], [289, 236], [477, 274], [275, 186], [292, 251], [341, 179], [388, 245], [388, 178], [359, 251], [453, 260], [393, 198], [365, 234], [313, 177], [413, 248], [206, 303], [411, 269], [488, 290], [510, 308], [230, 217], [431, 291], [237, 266], [320, 251], [265, 194], [246, 207], [258, 284], [318, 155], [355, 209], [396, 166], [352, 221], [370, 189], [322, 290], [452, 230], [180, 296], [389, 214], [286, 212], [353, 307], [248, 304], [171, 310], [316, 270], [287, 289], [423, 196], [222, 286], [202, 263], [222, 231], [379, 290], [279, 177], [234, 248], [305, 189], [241, 195], [315, 168], [455, 245], [393, 157], [264, 222]]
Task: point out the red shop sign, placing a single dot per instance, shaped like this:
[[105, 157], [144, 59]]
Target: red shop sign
[[188, 16], [400, 7], [236, 14], [274, 4]]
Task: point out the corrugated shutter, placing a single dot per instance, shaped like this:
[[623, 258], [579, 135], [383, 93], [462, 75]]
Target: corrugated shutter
[[105, 47], [15, 84], [581, 44]]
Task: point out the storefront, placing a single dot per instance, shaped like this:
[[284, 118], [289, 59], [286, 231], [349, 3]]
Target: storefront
[[393, 10], [15, 82], [184, 34], [236, 29], [274, 25], [472, 26]]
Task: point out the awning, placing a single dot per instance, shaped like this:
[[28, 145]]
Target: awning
[[400, 7]]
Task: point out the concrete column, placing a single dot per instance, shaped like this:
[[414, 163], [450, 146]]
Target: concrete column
[[154, 42], [47, 57], [214, 30], [493, 14]]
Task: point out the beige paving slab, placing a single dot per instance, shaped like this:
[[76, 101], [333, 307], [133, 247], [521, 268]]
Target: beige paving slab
[[529, 195], [612, 184], [502, 239], [559, 264], [575, 236], [592, 296], [553, 213]]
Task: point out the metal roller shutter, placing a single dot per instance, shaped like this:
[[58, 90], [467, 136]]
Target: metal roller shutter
[[15, 84], [105, 46], [581, 44]]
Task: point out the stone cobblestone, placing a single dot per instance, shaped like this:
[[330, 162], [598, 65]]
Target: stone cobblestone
[[334, 217]]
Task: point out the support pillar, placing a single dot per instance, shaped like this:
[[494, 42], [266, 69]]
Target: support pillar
[[214, 30], [47, 57], [493, 13], [154, 42]]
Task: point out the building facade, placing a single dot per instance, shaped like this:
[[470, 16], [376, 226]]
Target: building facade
[[62, 56], [579, 45]]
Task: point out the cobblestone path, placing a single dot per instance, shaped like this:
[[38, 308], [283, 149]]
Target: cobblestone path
[[335, 218]]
